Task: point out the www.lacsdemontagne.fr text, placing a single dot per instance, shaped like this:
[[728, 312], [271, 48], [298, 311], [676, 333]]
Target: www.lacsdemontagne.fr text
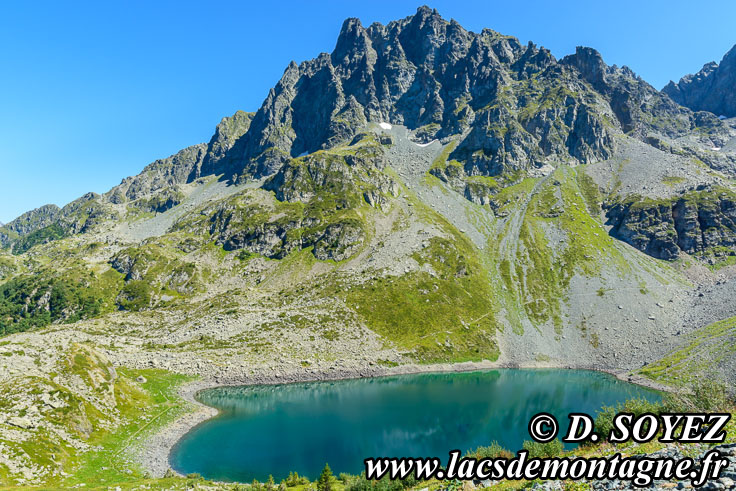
[[641, 470]]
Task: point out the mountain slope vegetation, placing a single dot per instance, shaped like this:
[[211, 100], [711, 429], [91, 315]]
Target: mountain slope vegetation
[[421, 195]]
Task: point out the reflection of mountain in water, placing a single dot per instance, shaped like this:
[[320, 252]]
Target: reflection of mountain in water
[[253, 399], [276, 429]]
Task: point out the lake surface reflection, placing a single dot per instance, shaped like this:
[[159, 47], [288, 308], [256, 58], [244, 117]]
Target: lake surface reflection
[[299, 427]]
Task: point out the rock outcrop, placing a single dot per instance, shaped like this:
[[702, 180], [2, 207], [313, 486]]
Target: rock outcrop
[[6, 237], [315, 198], [166, 199], [50, 222], [204, 159], [344, 177], [699, 223], [639, 108], [712, 89], [33, 220]]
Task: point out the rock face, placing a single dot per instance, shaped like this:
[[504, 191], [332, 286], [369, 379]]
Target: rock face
[[711, 89], [34, 220], [6, 236], [159, 175], [50, 222], [160, 202], [700, 222], [510, 107], [213, 158], [336, 241], [516, 106], [313, 205], [639, 108]]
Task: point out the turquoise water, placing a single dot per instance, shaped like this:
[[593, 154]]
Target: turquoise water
[[299, 427]]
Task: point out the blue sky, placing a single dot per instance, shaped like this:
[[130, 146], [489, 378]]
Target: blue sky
[[90, 92]]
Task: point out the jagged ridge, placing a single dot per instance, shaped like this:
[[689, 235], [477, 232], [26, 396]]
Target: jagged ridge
[[711, 89]]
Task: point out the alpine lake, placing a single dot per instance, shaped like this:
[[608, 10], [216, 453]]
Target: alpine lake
[[276, 429]]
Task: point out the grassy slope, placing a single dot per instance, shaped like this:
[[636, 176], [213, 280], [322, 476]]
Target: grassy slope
[[112, 413], [444, 316], [547, 270], [156, 405], [701, 350], [559, 236]]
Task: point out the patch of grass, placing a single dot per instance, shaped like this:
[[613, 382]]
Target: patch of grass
[[135, 296], [487, 181], [719, 257], [331, 335], [701, 350], [543, 450], [387, 363], [143, 412], [492, 451], [441, 161], [673, 180], [445, 316], [514, 194], [42, 236], [589, 190]]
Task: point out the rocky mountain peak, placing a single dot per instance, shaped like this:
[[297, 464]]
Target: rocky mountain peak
[[508, 106], [711, 89], [590, 64], [352, 41], [503, 108], [420, 71]]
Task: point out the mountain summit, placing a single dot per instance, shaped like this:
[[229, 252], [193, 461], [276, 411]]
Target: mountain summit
[[514, 106], [504, 110], [712, 89], [506, 107]]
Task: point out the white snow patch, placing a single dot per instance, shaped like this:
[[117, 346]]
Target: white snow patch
[[425, 144], [715, 149], [385, 126]]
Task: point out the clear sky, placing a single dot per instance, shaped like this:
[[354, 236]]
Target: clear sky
[[91, 92]]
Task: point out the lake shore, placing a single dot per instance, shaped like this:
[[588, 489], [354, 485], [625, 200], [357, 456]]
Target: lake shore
[[154, 454]]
